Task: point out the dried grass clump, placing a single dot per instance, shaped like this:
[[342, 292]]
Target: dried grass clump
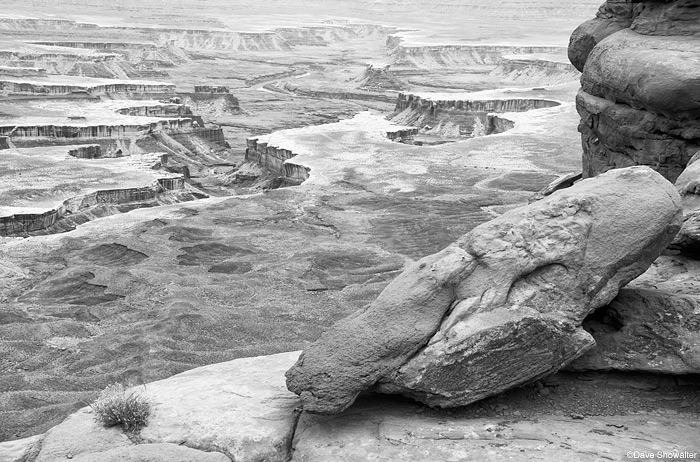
[[120, 404]]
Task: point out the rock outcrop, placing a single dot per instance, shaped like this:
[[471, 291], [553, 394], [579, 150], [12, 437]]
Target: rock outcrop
[[237, 410], [641, 77], [432, 56], [379, 79], [85, 130], [500, 307], [688, 186], [461, 117], [79, 209], [276, 161], [11, 87], [645, 329]]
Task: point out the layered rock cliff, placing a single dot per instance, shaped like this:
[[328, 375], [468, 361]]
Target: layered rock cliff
[[93, 131], [10, 87], [457, 55], [639, 102], [461, 117], [22, 224], [276, 162]]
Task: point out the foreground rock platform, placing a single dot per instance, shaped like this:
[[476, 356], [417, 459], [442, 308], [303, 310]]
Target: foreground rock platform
[[503, 305], [381, 430], [239, 411]]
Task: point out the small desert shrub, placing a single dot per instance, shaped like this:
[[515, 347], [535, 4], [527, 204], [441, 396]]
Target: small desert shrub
[[120, 404]]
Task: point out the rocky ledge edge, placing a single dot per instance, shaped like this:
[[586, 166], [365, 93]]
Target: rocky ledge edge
[[242, 411]]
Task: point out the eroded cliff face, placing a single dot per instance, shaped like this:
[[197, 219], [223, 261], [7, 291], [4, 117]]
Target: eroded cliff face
[[461, 118], [80, 209], [430, 56], [639, 102], [274, 160]]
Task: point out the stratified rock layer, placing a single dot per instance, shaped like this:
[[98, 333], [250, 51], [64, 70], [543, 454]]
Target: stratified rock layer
[[641, 80], [500, 307]]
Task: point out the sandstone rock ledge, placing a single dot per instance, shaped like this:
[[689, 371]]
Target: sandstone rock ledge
[[233, 411], [239, 411], [384, 431]]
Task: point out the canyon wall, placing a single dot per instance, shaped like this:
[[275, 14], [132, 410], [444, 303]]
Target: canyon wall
[[274, 160], [8, 87], [358, 95], [535, 71], [26, 223], [460, 118], [93, 131], [213, 135], [279, 39], [160, 110], [639, 92], [459, 55]]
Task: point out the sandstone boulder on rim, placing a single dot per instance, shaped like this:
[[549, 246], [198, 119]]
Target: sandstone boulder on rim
[[500, 307]]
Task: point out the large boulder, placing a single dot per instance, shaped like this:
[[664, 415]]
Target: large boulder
[[641, 77], [500, 307]]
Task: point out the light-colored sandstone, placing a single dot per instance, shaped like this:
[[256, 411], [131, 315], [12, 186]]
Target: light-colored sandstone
[[238, 410], [500, 307], [389, 431]]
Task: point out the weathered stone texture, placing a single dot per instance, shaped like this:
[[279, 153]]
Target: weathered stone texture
[[500, 307], [639, 102]]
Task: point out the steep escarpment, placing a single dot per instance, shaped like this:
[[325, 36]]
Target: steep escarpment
[[527, 70], [461, 117], [93, 131], [275, 161], [459, 55], [157, 110], [80, 209], [641, 80], [20, 87], [283, 38], [321, 93]]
